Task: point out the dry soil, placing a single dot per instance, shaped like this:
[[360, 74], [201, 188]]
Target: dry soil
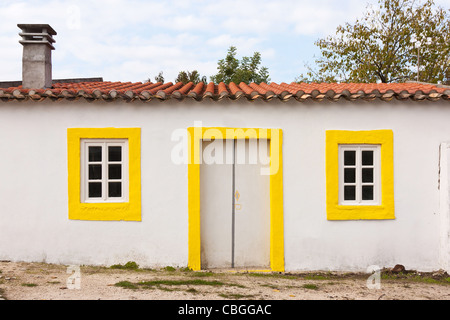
[[40, 281]]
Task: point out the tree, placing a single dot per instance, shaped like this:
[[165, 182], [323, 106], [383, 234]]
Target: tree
[[158, 78], [188, 76], [378, 47], [247, 70]]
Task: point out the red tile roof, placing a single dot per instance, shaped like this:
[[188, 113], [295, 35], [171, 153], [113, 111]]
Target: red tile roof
[[129, 91]]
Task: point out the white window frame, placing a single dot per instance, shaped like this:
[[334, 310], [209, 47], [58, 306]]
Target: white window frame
[[84, 177], [358, 174]]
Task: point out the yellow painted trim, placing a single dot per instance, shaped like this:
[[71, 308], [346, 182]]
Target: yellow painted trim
[[128, 211], [386, 210], [195, 135]]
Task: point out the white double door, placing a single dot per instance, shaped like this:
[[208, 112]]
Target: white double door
[[235, 204]]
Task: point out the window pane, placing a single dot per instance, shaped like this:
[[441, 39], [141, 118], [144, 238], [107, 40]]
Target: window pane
[[115, 171], [367, 175], [95, 153], [95, 189], [367, 192], [115, 154], [349, 175], [349, 158], [114, 189], [349, 192], [95, 172], [367, 158]]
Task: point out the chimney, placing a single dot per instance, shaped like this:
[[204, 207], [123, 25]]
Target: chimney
[[37, 41]]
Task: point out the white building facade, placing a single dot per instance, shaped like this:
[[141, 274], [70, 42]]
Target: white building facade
[[41, 145]]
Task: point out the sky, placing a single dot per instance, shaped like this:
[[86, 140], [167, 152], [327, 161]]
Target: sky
[[133, 40]]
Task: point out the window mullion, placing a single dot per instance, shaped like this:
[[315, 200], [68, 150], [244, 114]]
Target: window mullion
[[85, 171], [104, 172], [377, 175], [341, 175], [358, 175]]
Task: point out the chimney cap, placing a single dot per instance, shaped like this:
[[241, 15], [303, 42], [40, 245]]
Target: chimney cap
[[37, 34], [36, 28]]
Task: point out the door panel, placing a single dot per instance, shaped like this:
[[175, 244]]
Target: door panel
[[215, 209], [239, 237], [252, 210]]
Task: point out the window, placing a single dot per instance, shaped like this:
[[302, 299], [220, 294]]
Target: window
[[104, 173], [104, 170], [360, 174]]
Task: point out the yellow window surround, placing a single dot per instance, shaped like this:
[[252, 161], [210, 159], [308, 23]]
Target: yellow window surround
[[385, 139], [127, 211], [195, 135]]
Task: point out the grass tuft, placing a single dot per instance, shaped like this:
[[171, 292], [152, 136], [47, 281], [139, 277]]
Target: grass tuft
[[161, 283], [130, 265], [310, 286], [196, 282], [126, 285], [235, 295], [29, 284], [169, 268]]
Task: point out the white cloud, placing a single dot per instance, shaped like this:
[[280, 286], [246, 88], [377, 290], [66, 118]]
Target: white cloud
[[283, 16], [244, 44], [130, 39]]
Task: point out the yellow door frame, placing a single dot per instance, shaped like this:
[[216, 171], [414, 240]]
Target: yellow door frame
[[195, 135]]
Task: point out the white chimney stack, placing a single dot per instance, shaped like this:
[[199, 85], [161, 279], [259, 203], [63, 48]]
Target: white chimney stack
[[37, 41]]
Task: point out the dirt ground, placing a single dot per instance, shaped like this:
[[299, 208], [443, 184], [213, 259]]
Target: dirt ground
[[39, 281]]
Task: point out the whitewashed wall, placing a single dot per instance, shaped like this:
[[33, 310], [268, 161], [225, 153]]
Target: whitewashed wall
[[33, 182]]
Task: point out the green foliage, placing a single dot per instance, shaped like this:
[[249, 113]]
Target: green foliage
[[158, 78], [378, 47], [29, 284], [188, 76], [161, 284], [272, 275], [126, 285], [235, 296], [202, 274], [247, 70], [196, 282], [130, 265], [186, 269], [310, 286], [169, 268]]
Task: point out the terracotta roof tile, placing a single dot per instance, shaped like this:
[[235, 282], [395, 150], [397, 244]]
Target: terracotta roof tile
[[186, 88], [210, 88], [148, 91], [246, 88], [198, 89], [234, 89], [222, 88]]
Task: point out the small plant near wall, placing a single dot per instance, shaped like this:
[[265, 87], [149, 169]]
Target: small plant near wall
[[130, 265], [169, 268]]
